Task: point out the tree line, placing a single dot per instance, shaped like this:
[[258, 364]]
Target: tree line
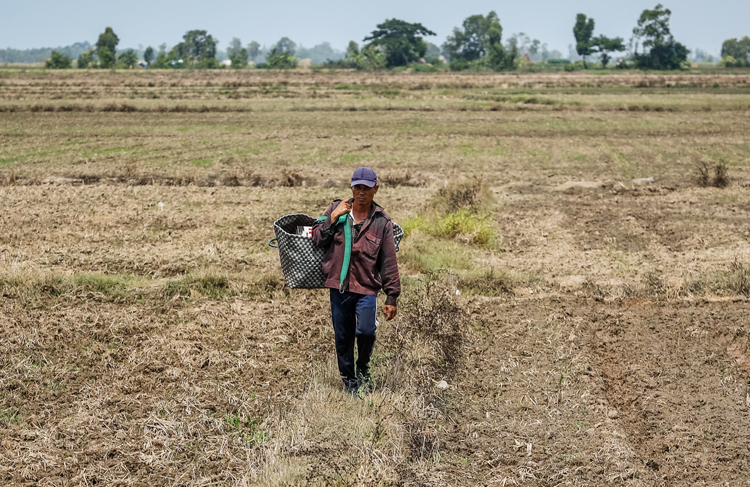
[[735, 53], [475, 45]]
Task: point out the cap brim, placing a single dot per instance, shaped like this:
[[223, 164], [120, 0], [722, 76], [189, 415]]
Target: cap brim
[[367, 183]]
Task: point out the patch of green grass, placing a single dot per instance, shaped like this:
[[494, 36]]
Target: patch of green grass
[[353, 158], [630, 169], [8, 160], [109, 285], [24, 285], [466, 149], [248, 428], [473, 228], [501, 149], [264, 285], [257, 147], [201, 162], [115, 150], [56, 386], [185, 128], [737, 278], [10, 415], [211, 286], [344, 86], [576, 156], [427, 254], [89, 152]]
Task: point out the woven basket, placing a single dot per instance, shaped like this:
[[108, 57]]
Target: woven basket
[[301, 260]]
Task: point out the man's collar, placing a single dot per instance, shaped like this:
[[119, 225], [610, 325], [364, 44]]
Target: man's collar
[[374, 207]]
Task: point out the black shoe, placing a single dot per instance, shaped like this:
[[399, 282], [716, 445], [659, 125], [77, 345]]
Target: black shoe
[[364, 384], [351, 388]]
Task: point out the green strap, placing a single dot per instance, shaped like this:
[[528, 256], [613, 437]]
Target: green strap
[[347, 250], [347, 247]]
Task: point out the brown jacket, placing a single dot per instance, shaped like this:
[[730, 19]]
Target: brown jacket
[[373, 264]]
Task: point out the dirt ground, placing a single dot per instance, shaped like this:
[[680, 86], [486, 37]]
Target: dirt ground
[[598, 337], [554, 390], [651, 392]]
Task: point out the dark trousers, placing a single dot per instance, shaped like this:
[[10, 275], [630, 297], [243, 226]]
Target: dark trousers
[[353, 317]]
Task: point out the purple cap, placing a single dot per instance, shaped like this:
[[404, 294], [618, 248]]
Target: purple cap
[[364, 175]]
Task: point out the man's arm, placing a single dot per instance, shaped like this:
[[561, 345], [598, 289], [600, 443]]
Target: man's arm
[[389, 272], [323, 231]]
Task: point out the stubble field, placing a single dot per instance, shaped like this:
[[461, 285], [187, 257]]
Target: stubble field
[[599, 335]]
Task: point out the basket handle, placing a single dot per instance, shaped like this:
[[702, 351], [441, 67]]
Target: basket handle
[[272, 245]]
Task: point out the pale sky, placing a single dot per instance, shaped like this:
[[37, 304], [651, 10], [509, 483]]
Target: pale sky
[[52, 23]]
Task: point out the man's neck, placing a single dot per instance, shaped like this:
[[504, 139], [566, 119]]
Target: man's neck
[[360, 210]]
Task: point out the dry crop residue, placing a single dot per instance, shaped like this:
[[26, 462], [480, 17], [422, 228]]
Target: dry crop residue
[[146, 336]]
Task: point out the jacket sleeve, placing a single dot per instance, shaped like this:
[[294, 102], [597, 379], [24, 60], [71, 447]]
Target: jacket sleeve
[[323, 231], [389, 266]]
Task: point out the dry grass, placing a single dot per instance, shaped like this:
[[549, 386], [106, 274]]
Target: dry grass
[[146, 336]]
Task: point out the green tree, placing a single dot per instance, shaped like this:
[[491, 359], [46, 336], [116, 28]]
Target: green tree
[[583, 30], [148, 55], [480, 43], [497, 57], [730, 62], [745, 44], [286, 45], [128, 59], [736, 49], [661, 50], [352, 50], [197, 50], [253, 50], [107, 57], [86, 59], [281, 59], [161, 61], [237, 54], [401, 41], [176, 56], [606, 45], [369, 58], [106, 47], [58, 61], [473, 41], [198, 44]]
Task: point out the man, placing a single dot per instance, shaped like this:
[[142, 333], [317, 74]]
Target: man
[[372, 266]]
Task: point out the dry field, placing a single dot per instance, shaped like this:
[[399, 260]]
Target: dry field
[[600, 335]]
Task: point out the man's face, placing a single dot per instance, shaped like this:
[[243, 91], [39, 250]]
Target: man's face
[[363, 195]]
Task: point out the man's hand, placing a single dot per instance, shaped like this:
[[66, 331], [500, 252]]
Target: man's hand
[[343, 208], [389, 312]]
